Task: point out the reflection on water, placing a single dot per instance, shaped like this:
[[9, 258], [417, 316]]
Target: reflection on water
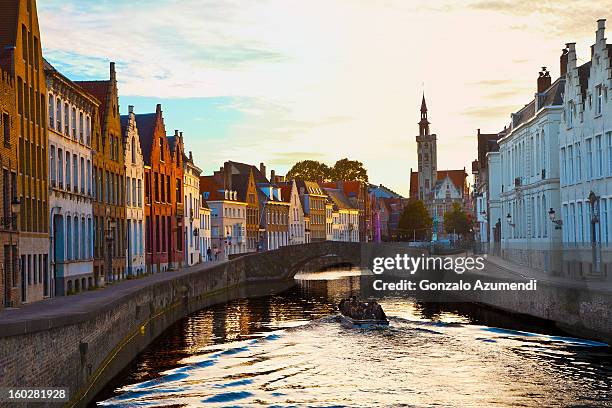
[[290, 350]]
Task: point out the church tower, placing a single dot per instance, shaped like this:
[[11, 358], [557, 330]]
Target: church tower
[[427, 157]]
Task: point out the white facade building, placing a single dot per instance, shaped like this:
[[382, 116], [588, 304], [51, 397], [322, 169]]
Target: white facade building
[[297, 224], [70, 190], [345, 217], [228, 224], [494, 216], [191, 187], [530, 170], [586, 146], [204, 233], [134, 195]]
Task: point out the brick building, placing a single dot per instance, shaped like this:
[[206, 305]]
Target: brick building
[[163, 194], [20, 42], [177, 153], [109, 182], [9, 234]]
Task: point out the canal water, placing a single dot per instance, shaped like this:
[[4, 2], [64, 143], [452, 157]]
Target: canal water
[[289, 349]]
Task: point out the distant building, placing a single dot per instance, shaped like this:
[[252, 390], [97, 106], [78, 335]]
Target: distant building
[[192, 200], [164, 223], [134, 182], [228, 216], [313, 202], [487, 142], [438, 189], [21, 55], [10, 279], [204, 232], [530, 168], [585, 141], [109, 208], [297, 226], [70, 193], [358, 194], [345, 225]]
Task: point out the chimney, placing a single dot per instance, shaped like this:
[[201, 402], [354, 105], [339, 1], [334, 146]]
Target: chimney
[[176, 132], [227, 176], [563, 61], [262, 169], [543, 80], [158, 108], [601, 28], [190, 156], [272, 175], [130, 109], [113, 76]]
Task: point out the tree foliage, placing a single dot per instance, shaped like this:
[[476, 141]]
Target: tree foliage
[[312, 170], [415, 222], [309, 170], [457, 221], [349, 170]]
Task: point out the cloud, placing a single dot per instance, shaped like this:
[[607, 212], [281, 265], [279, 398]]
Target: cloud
[[485, 112]]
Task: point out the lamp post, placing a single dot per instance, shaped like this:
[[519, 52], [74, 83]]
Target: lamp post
[[509, 219], [553, 217]]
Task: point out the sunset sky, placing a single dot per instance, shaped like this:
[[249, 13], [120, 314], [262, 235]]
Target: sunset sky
[[282, 80]]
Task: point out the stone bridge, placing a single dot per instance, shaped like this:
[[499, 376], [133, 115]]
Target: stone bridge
[[81, 342]]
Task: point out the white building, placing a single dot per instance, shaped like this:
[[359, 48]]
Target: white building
[[329, 220], [204, 233], [228, 218], [297, 225], [494, 216], [134, 195], [71, 110], [191, 187], [345, 217], [586, 146], [530, 172]]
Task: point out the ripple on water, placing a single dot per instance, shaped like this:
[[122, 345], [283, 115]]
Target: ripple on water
[[301, 355]]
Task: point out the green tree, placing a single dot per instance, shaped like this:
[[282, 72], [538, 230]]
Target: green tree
[[309, 170], [414, 222], [349, 170], [457, 221]]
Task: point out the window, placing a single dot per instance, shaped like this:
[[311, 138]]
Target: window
[[51, 111], [609, 148], [68, 177], [81, 127], [156, 186], [133, 146], [88, 177], [82, 175], [178, 190], [52, 166], [589, 159], [161, 150], [599, 101], [599, 156], [68, 238], [66, 120], [88, 131], [74, 123], [6, 126], [75, 173], [563, 167], [58, 115], [134, 202], [570, 159], [60, 168], [129, 201], [139, 193], [578, 162]]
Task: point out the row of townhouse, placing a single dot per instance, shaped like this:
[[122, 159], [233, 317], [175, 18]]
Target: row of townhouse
[[251, 212], [89, 196], [545, 181]]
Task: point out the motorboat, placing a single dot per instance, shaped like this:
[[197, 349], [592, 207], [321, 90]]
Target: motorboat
[[355, 314]]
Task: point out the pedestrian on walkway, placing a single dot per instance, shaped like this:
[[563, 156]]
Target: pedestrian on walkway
[[208, 254]]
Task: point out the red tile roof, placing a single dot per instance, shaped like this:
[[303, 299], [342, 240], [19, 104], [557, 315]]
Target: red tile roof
[[208, 184]]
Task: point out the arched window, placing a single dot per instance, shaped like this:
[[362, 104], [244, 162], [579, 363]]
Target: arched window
[[52, 171], [66, 119], [68, 177]]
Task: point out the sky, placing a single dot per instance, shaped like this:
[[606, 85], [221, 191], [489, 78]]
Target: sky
[[279, 81]]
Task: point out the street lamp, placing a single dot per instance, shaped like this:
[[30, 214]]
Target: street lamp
[[509, 219], [552, 216]]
